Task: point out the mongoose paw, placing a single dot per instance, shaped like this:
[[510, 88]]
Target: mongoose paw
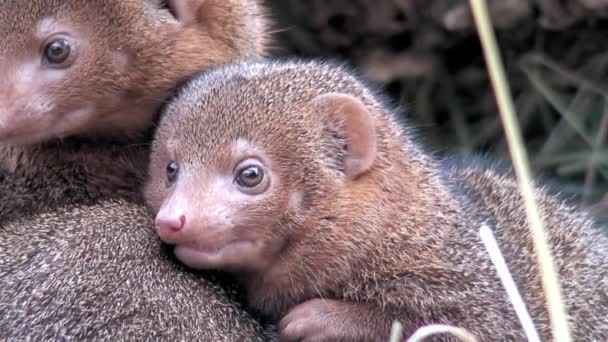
[[309, 322]]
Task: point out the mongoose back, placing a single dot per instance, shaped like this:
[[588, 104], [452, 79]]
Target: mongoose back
[[82, 83], [76, 283], [339, 223]]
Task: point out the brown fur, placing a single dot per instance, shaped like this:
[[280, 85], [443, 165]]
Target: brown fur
[[78, 257], [357, 228]]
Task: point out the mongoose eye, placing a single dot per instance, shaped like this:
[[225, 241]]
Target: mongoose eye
[[172, 170], [251, 177], [57, 51]]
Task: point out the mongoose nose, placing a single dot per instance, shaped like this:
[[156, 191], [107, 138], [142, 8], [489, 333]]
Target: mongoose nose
[[170, 224]]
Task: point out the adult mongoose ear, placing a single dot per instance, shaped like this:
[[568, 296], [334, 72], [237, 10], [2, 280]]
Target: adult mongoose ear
[[213, 15], [356, 125], [217, 19], [186, 11]]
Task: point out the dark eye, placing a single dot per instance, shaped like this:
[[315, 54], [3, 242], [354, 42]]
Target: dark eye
[[172, 170], [57, 51], [250, 176]]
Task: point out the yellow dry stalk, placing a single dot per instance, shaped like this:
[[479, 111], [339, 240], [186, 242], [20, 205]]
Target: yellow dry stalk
[[550, 279]]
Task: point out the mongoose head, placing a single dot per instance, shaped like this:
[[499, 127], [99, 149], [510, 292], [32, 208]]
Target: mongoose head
[[103, 66], [251, 159]]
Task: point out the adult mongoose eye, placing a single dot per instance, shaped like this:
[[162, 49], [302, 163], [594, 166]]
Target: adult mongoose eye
[[250, 176], [57, 51]]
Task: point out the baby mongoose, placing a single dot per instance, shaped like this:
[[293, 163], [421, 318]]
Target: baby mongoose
[[82, 82], [299, 179]]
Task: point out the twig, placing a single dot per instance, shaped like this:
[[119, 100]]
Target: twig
[[396, 332], [567, 113], [600, 139], [572, 76], [550, 280], [435, 329], [507, 281]]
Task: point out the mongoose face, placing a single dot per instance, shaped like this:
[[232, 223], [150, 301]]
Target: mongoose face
[[65, 65], [237, 170], [104, 67]]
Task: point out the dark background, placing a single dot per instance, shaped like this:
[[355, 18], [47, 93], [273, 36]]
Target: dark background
[[426, 55]]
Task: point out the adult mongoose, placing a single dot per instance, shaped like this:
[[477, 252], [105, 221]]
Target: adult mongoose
[[82, 84]]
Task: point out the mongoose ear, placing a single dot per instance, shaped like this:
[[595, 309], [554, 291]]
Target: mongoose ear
[[357, 126], [190, 12]]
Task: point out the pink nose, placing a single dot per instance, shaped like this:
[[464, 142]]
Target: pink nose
[[170, 224]]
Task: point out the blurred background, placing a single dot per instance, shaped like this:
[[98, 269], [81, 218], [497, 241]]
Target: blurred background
[[426, 55]]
